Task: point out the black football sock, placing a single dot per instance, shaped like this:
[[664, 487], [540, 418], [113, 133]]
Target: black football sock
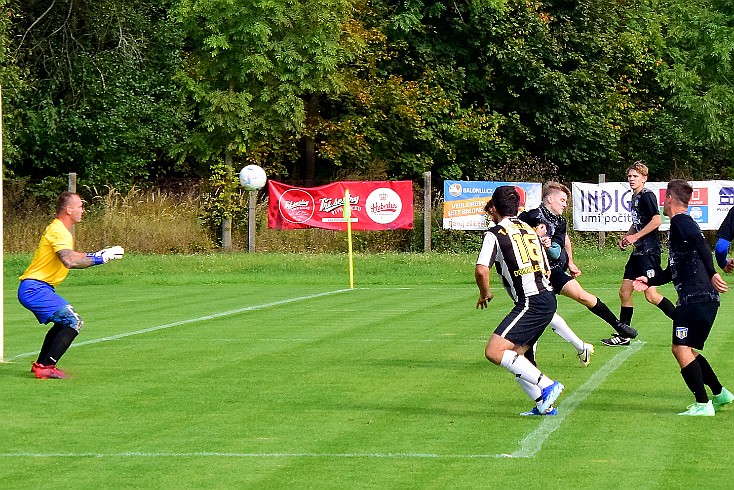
[[709, 376], [667, 307], [625, 314], [694, 380], [601, 310], [47, 341], [60, 345]]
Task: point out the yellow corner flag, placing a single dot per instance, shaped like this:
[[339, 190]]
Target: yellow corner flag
[[348, 219]]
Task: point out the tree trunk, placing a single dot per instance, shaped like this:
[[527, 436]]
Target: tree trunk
[[312, 113], [227, 221]]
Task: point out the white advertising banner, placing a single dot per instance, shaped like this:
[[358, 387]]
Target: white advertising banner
[[464, 201], [606, 206]]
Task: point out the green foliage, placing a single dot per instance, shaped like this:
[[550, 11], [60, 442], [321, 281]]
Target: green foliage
[[11, 83], [100, 100], [223, 198], [249, 65], [121, 92], [698, 74]]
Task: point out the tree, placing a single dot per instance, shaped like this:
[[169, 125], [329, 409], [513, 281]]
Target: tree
[[250, 67], [100, 99], [697, 75]]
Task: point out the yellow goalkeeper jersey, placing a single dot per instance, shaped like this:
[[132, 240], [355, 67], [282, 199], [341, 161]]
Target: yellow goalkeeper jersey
[[46, 266]]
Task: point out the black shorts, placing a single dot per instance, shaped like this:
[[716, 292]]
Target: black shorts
[[558, 279], [692, 323], [642, 265], [525, 323]]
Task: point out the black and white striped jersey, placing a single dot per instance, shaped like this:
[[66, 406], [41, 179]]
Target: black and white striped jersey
[[514, 248]]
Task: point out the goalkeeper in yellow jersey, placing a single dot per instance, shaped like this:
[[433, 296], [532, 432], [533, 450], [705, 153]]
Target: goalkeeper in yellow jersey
[[49, 266]]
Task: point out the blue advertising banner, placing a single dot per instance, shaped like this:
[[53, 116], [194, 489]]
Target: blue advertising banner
[[464, 201]]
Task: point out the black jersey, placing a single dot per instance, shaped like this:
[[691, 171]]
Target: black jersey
[[644, 206], [519, 257], [556, 229], [726, 230], [690, 265]]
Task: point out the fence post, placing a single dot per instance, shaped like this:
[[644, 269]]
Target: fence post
[[427, 212], [71, 187], [251, 220], [602, 235]]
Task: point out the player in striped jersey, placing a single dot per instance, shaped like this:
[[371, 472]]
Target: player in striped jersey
[[515, 250]]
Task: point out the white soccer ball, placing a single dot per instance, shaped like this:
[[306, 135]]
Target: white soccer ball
[[253, 178]]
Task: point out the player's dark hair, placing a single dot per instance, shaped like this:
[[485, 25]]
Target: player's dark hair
[[506, 200], [680, 190], [63, 200]]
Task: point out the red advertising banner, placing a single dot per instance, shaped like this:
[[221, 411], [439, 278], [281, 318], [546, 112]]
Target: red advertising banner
[[380, 205]]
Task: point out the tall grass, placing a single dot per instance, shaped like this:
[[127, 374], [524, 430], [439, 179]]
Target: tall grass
[[170, 221], [150, 221], [159, 221]]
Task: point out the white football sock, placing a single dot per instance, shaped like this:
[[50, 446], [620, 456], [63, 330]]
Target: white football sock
[[561, 328], [532, 390], [522, 368]]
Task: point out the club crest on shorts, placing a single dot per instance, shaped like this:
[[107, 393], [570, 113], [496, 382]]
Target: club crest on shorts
[[681, 332], [650, 273]]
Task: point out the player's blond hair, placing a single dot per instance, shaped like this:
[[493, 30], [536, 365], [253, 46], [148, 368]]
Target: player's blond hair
[[638, 167], [551, 187]]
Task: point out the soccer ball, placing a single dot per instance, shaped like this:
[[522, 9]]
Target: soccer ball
[[253, 178]]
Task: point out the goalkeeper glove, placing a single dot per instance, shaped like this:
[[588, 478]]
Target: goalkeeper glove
[[107, 254]]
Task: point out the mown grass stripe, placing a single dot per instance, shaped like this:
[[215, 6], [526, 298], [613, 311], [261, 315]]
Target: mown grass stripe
[[191, 320]]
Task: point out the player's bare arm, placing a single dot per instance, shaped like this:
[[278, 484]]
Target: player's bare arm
[[481, 276], [652, 226], [719, 283], [572, 267], [75, 260], [79, 260], [622, 243]]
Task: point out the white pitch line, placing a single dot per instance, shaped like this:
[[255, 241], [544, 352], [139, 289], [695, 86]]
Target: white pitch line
[[205, 454], [190, 320], [529, 446], [533, 442]]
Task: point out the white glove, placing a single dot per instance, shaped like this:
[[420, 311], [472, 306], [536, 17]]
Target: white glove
[[111, 253]]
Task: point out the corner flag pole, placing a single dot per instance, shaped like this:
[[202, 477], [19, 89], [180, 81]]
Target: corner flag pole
[[2, 250], [348, 219]]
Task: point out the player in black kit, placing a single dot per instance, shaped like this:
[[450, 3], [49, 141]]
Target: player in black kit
[[698, 285], [645, 258], [563, 270]]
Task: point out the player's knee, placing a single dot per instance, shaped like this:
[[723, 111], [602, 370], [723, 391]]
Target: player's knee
[[67, 317], [493, 355]]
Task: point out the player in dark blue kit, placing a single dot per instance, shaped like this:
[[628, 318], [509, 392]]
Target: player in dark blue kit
[[563, 270], [514, 248], [725, 236], [698, 285], [645, 258]]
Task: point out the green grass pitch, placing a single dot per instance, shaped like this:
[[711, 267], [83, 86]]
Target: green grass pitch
[[267, 371]]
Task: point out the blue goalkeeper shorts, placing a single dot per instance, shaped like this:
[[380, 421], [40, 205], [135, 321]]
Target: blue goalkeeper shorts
[[41, 298]]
